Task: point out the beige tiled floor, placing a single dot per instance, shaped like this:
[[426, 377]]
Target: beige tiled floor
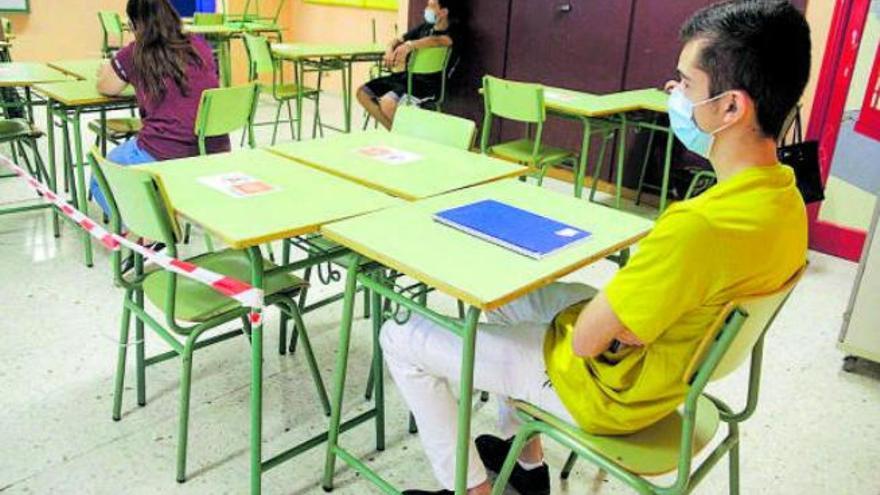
[[816, 430]]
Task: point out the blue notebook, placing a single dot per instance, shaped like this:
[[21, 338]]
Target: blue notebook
[[513, 228]]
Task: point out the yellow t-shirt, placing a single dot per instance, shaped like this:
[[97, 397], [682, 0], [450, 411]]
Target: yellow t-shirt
[[746, 235]]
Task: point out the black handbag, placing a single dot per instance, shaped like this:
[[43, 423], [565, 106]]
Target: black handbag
[[803, 157]]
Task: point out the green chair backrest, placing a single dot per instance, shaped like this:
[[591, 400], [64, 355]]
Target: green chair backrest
[[737, 330], [437, 127], [111, 23], [259, 55], [136, 199], [224, 110], [429, 60], [207, 19], [111, 27], [523, 102]]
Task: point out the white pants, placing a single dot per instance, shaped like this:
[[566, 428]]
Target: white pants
[[425, 362]]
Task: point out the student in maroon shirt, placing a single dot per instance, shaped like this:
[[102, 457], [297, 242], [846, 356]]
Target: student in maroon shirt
[[169, 71]]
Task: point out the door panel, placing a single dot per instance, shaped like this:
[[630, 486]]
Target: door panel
[[575, 44]]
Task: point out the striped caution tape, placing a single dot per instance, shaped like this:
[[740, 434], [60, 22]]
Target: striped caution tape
[[242, 292]]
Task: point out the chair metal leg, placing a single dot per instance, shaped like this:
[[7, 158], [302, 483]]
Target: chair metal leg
[[139, 346], [599, 164], [183, 422], [277, 120], [290, 121], [569, 465], [121, 353], [519, 442], [734, 468], [310, 358], [461, 312], [371, 376], [366, 303], [413, 427], [378, 371]]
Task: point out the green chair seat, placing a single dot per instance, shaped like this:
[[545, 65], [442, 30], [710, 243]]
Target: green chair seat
[[17, 128], [650, 452], [521, 151], [197, 302], [118, 128]]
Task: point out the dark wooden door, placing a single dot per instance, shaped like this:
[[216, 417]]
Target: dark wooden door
[[576, 44]]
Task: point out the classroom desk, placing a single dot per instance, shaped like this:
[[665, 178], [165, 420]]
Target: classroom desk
[[327, 57], [26, 75], [434, 169], [608, 113], [478, 273], [68, 101], [308, 199], [80, 69]]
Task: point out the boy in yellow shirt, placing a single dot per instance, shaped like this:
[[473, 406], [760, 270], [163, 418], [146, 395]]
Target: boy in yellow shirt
[[613, 365]]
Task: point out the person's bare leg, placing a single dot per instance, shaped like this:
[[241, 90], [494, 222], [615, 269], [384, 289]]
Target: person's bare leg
[[389, 108], [533, 452], [485, 488], [373, 108]]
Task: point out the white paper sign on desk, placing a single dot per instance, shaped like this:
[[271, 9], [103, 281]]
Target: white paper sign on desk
[[238, 185], [389, 155]]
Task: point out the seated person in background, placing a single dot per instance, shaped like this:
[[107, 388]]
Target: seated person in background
[[169, 71], [613, 362], [381, 96]]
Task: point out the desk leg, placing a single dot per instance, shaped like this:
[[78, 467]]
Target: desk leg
[[464, 400], [53, 179], [256, 258], [621, 161], [667, 164], [103, 136], [346, 93], [340, 371], [82, 199], [378, 368], [581, 172], [29, 104], [299, 77]]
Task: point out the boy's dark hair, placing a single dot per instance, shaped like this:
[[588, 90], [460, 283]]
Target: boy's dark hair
[[759, 46]]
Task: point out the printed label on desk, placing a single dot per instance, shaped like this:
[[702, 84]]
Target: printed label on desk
[[556, 96], [238, 185], [389, 155]]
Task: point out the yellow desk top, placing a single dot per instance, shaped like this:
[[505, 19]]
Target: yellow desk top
[[22, 74]]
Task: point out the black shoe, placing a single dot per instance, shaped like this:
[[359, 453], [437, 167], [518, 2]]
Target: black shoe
[[425, 492], [493, 451]]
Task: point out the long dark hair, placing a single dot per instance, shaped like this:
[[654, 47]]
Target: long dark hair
[[162, 50]]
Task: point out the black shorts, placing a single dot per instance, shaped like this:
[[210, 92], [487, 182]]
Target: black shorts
[[425, 88]]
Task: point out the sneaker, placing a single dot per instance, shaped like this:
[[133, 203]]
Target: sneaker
[[493, 451]]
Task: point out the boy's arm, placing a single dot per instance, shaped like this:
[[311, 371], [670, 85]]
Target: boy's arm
[[597, 327]]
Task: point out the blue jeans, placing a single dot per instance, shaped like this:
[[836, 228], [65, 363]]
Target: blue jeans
[[127, 153]]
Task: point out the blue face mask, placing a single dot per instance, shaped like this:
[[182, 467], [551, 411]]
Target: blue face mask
[[430, 16], [685, 128]]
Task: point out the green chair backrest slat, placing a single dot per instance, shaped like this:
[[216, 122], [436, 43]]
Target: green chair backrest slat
[[429, 60], [523, 102], [759, 313], [440, 128], [224, 110], [207, 19], [110, 22], [259, 55], [138, 200]]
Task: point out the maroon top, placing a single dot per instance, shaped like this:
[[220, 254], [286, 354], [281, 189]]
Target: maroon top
[[169, 124]]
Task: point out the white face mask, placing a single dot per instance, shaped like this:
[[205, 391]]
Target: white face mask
[[430, 16], [684, 126]]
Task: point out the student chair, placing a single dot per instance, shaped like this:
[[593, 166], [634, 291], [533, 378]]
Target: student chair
[[427, 62], [520, 102], [112, 29], [440, 128], [671, 444], [222, 111], [263, 64], [138, 200], [21, 137]]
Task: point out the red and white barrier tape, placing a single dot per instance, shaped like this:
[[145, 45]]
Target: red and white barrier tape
[[242, 292]]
